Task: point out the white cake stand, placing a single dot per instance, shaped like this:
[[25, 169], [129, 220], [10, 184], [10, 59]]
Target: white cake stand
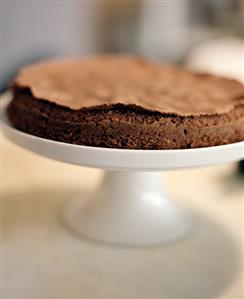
[[130, 207]]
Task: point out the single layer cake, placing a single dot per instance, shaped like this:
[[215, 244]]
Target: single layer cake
[[126, 102]]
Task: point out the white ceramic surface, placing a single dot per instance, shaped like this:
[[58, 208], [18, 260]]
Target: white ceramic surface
[[130, 207]]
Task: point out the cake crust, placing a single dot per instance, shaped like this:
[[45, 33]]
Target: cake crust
[[127, 102], [128, 80]]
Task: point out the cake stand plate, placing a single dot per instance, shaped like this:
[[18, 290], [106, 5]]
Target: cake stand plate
[[131, 206]]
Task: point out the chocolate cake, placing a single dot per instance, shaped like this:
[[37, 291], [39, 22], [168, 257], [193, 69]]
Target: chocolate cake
[[126, 102]]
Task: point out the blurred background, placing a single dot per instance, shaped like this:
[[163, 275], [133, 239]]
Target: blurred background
[[200, 33]]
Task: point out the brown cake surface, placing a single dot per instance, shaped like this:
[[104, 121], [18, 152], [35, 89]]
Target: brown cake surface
[[127, 102]]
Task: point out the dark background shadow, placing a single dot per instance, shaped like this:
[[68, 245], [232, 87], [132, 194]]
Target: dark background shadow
[[231, 183]]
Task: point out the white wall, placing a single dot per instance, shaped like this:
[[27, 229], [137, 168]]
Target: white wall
[[34, 29]]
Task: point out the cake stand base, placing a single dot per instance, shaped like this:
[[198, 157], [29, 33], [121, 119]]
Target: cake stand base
[[129, 208]]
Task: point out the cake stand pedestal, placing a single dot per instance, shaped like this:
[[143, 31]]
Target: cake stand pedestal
[[131, 206]]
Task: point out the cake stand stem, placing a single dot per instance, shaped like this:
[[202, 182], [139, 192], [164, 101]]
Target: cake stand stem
[[129, 208]]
